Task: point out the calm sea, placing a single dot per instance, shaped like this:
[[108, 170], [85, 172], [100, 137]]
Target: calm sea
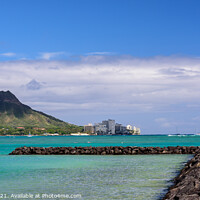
[[140, 177]]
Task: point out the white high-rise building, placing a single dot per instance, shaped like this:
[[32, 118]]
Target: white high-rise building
[[100, 129], [134, 130], [129, 127], [110, 124]]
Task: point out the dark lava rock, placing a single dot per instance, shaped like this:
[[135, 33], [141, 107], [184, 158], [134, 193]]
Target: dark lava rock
[[187, 183]]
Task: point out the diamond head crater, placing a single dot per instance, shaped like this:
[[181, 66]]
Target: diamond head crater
[[17, 118]]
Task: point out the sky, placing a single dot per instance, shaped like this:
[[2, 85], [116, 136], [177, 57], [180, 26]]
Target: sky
[[84, 61]]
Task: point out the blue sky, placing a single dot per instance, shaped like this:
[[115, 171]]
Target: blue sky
[[84, 61], [137, 27]]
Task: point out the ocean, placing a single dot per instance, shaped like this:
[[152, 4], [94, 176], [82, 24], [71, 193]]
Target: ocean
[[89, 177]]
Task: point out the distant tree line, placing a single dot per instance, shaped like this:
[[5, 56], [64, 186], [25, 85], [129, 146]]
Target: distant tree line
[[40, 131]]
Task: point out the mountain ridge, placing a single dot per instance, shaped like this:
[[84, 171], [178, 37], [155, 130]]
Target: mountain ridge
[[13, 113]]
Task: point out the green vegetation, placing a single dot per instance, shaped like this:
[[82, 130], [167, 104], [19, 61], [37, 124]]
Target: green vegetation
[[35, 123], [31, 119], [14, 114], [39, 131]]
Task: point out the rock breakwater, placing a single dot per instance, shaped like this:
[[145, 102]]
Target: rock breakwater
[[187, 183], [111, 150]]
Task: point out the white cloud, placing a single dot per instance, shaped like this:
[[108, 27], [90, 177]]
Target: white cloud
[[49, 55], [106, 84], [100, 53], [8, 54]]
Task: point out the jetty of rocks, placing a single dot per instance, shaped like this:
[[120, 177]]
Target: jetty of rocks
[[110, 150], [187, 184]]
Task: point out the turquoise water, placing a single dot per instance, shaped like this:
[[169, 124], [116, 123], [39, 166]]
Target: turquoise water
[[8, 144], [93, 177], [140, 177]]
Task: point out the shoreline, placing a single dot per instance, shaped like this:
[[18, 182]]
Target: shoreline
[[106, 135]]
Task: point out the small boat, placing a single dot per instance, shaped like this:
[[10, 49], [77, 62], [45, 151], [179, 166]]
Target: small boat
[[29, 135]]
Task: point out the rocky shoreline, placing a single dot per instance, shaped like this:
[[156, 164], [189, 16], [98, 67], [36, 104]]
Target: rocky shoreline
[[110, 150], [187, 184]]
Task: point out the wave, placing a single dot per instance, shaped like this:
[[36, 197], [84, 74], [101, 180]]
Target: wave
[[177, 135]]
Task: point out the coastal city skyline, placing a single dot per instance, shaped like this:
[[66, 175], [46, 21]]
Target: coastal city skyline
[[133, 62], [110, 127]]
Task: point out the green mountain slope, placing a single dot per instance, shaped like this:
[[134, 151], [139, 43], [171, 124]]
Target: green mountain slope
[[13, 113]]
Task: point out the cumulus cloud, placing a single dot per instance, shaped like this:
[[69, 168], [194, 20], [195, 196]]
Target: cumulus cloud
[[50, 55], [105, 84], [126, 81]]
